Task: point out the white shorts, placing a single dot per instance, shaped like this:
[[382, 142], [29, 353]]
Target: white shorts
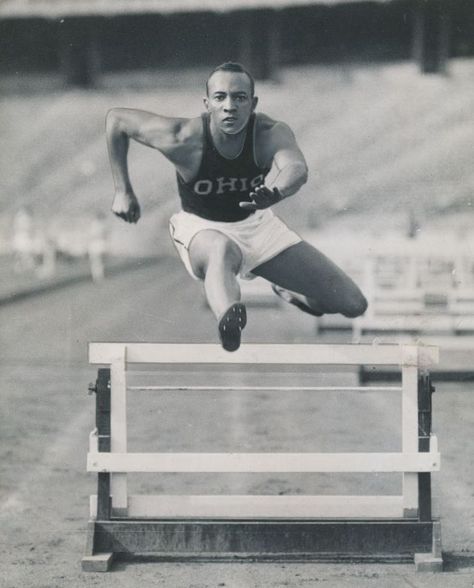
[[260, 237]]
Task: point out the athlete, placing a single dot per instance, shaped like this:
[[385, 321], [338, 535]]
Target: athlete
[[226, 227]]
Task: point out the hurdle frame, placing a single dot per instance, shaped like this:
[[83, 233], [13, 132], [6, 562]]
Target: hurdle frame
[[318, 528]]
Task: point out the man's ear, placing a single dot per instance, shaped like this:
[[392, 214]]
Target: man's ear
[[206, 102], [254, 102]]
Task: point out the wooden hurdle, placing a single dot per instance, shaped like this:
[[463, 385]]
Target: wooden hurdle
[[298, 528], [456, 364], [412, 286]]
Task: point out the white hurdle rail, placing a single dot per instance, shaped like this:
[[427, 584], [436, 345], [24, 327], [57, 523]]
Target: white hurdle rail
[[109, 458]]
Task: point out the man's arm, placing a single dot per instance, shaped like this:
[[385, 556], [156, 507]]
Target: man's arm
[[123, 124], [288, 160], [286, 157]]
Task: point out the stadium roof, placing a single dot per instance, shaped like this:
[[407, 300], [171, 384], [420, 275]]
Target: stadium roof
[[59, 8]]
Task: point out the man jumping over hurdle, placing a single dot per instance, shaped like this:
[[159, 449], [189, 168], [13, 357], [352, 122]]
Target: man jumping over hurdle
[[226, 227]]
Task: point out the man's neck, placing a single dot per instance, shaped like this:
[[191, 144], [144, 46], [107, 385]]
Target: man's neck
[[227, 144]]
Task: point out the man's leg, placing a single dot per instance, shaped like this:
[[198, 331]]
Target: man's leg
[[216, 259], [323, 286]]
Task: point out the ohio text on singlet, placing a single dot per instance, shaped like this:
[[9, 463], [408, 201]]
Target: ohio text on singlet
[[222, 183]]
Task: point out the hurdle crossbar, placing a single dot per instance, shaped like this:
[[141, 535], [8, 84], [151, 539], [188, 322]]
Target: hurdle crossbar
[[122, 523], [294, 354], [262, 462]]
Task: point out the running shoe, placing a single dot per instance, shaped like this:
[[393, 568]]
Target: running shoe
[[287, 296], [231, 325]]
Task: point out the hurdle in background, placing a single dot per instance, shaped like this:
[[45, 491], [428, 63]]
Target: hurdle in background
[[275, 527], [411, 286]]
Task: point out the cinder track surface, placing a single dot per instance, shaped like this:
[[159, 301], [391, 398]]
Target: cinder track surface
[[46, 417]]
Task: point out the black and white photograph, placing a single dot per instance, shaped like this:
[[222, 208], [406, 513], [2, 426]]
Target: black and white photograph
[[237, 294]]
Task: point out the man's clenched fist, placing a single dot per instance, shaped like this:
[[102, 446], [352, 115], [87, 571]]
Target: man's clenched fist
[[126, 206]]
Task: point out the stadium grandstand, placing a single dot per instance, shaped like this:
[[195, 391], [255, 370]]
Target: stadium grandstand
[[79, 41], [387, 147]]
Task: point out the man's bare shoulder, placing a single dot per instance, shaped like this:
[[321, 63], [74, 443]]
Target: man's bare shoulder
[[264, 122], [270, 136], [185, 151], [189, 130], [269, 127]]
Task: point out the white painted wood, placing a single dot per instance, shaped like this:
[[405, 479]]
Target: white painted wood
[[396, 307], [93, 507], [465, 343], [263, 462], [94, 441], [443, 342], [464, 323], [410, 432], [424, 323], [246, 506], [119, 462], [171, 388], [463, 309], [295, 354], [118, 425], [400, 294]]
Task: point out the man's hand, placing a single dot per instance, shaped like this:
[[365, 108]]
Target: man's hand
[[262, 197], [126, 207]]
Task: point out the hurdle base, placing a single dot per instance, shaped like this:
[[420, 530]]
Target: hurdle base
[[431, 562], [425, 562], [300, 540], [100, 562], [92, 560]]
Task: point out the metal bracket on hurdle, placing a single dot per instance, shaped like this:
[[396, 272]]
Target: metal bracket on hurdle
[[323, 528]]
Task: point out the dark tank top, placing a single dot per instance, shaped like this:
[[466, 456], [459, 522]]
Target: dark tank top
[[222, 183]]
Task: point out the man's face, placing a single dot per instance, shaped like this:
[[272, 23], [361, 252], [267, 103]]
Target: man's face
[[229, 101]]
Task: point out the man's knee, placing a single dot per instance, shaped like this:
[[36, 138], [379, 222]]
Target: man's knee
[[356, 306], [211, 249], [225, 251]]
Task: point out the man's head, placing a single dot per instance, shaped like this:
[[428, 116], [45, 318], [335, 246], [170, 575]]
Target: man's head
[[232, 66], [230, 98]]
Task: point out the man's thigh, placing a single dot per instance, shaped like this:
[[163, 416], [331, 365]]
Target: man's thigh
[[304, 269], [211, 246]]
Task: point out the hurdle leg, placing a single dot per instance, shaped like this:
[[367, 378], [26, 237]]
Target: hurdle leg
[[118, 432], [427, 562], [410, 436], [425, 389], [92, 561]]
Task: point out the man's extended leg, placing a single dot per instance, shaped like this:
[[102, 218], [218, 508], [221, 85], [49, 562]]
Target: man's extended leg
[[216, 259], [323, 286]]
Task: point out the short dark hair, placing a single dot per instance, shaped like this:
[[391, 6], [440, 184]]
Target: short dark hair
[[233, 67]]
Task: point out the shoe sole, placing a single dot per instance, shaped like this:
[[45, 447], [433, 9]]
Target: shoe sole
[[231, 325]]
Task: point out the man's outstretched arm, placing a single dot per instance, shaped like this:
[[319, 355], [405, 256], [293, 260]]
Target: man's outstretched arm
[[289, 161], [292, 171], [121, 125]]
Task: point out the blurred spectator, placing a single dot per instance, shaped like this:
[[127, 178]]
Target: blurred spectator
[[24, 240], [96, 246], [413, 223], [47, 245]]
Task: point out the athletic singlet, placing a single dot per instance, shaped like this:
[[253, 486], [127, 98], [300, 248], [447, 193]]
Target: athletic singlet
[[222, 183]]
